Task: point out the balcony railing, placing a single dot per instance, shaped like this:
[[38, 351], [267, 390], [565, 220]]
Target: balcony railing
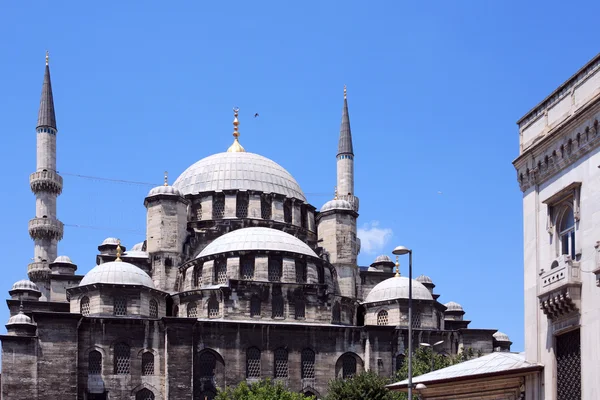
[[48, 181], [46, 228], [560, 288]]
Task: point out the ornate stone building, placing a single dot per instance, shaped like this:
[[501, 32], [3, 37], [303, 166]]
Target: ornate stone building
[[239, 278]]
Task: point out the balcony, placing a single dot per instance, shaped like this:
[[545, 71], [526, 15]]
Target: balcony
[[46, 181], [38, 270], [45, 228], [560, 288]]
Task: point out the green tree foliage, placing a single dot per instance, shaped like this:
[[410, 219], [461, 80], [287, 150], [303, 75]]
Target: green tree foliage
[[366, 385], [261, 390]]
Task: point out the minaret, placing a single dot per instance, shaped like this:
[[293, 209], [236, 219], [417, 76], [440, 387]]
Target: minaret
[[45, 229], [345, 160]]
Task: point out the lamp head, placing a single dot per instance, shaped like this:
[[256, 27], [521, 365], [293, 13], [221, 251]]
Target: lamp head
[[420, 386], [401, 250]]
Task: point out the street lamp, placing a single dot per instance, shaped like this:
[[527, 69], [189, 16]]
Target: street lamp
[[432, 346], [399, 251]]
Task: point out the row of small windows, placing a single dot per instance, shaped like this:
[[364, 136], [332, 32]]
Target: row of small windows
[[345, 157], [383, 319], [280, 364], [119, 307], [213, 308], [46, 130], [121, 361], [277, 307]]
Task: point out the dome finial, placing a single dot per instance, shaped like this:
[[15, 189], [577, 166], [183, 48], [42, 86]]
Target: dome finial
[[47, 57], [166, 178], [236, 147], [118, 251], [397, 268], [344, 92], [335, 197]]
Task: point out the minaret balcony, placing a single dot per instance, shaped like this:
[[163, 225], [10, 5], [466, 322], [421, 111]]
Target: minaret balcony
[[46, 181], [46, 228], [39, 270], [560, 288]]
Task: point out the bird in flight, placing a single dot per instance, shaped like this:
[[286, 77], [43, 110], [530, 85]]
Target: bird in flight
[[255, 115]]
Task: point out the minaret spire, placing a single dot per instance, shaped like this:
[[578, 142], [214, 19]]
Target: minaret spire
[[345, 159], [345, 142], [46, 117]]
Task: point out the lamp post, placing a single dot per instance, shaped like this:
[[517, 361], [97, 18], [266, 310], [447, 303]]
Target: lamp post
[[432, 346], [401, 250]]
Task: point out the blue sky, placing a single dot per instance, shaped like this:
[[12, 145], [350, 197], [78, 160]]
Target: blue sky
[[434, 92]]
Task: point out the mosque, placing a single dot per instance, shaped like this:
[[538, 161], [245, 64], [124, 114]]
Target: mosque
[[239, 278]]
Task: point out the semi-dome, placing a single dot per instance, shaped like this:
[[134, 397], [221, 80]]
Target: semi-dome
[[397, 288], [453, 306], [119, 273], [63, 260], [501, 337], [110, 241], [382, 258], [424, 279], [164, 190], [336, 204], [247, 239], [25, 284], [238, 170]]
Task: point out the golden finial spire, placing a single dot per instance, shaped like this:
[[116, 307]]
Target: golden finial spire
[[236, 147], [166, 178], [335, 193], [344, 92], [47, 57], [397, 268], [118, 251]]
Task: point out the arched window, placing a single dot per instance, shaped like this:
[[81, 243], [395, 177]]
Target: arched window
[[382, 317], [207, 366], [255, 306], [277, 306], [300, 271], [566, 232], [84, 306], [192, 310], [213, 307], [221, 271], [144, 394], [247, 267], [336, 313], [299, 307], [416, 319], [308, 364], [399, 361], [95, 363], [122, 359], [265, 206], [253, 363], [274, 269], [241, 206], [153, 308], [218, 206], [281, 363], [197, 275], [287, 211], [348, 366], [147, 363], [120, 306]]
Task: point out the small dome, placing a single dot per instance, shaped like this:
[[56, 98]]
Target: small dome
[[63, 259], [136, 251], [501, 337], [397, 288], [336, 205], [424, 279], [382, 258], [373, 269], [19, 318], [111, 241], [119, 273], [168, 190], [256, 239], [453, 306], [138, 247], [25, 285]]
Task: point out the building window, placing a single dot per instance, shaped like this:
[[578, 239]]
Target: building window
[[568, 366], [265, 206], [153, 307], [277, 305], [255, 306], [120, 306], [416, 319], [303, 217], [300, 271], [241, 205], [207, 366], [287, 211], [348, 366], [197, 211], [274, 269], [566, 232], [94, 363], [122, 359], [300, 307], [144, 394], [321, 273], [399, 362], [281, 363], [192, 310], [247, 267], [218, 210], [213, 307], [336, 314], [382, 317], [197, 275], [221, 271], [84, 306], [147, 363], [253, 363], [307, 359]]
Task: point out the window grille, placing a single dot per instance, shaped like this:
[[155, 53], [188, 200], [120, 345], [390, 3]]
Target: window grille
[[399, 362], [308, 364], [265, 207], [197, 211], [144, 394], [336, 316], [120, 306], [300, 271], [153, 307], [84, 306], [300, 308], [274, 271], [416, 319], [348, 366], [192, 310], [568, 366], [213, 308], [221, 270], [287, 211], [94, 363], [255, 306], [281, 363], [382, 317], [122, 359], [277, 305], [147, 363], [253, 363], [207, 366], [247, 267], [218, 206], [241, 206], [197, 275]]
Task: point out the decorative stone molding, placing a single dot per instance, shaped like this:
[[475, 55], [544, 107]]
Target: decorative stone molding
[[45, 228], [570, 194], [46, 181], [560, 288], [38, 271]]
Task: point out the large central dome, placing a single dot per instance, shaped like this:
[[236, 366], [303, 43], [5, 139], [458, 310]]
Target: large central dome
[[241, 171]]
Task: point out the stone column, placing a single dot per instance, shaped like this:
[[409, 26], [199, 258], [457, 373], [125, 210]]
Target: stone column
[[206, 202], [311, 220], [289, 270], [230, 204], [277, 207], [233, 267], [208, 273], [261, 268], [312, 275], [254, 210], [296, 214]]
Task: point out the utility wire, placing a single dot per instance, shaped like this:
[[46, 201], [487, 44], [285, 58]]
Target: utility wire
[[100, 228]]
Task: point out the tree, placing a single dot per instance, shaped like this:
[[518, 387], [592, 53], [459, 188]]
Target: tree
[[261, 390], [366, 385]]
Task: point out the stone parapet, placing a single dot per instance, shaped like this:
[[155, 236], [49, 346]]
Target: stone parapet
[[560, 288], [46, 228], [38, 271], [46, 181]]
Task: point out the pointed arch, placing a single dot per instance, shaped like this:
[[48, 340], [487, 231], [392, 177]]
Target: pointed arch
[[144, 388], [348, 365]]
